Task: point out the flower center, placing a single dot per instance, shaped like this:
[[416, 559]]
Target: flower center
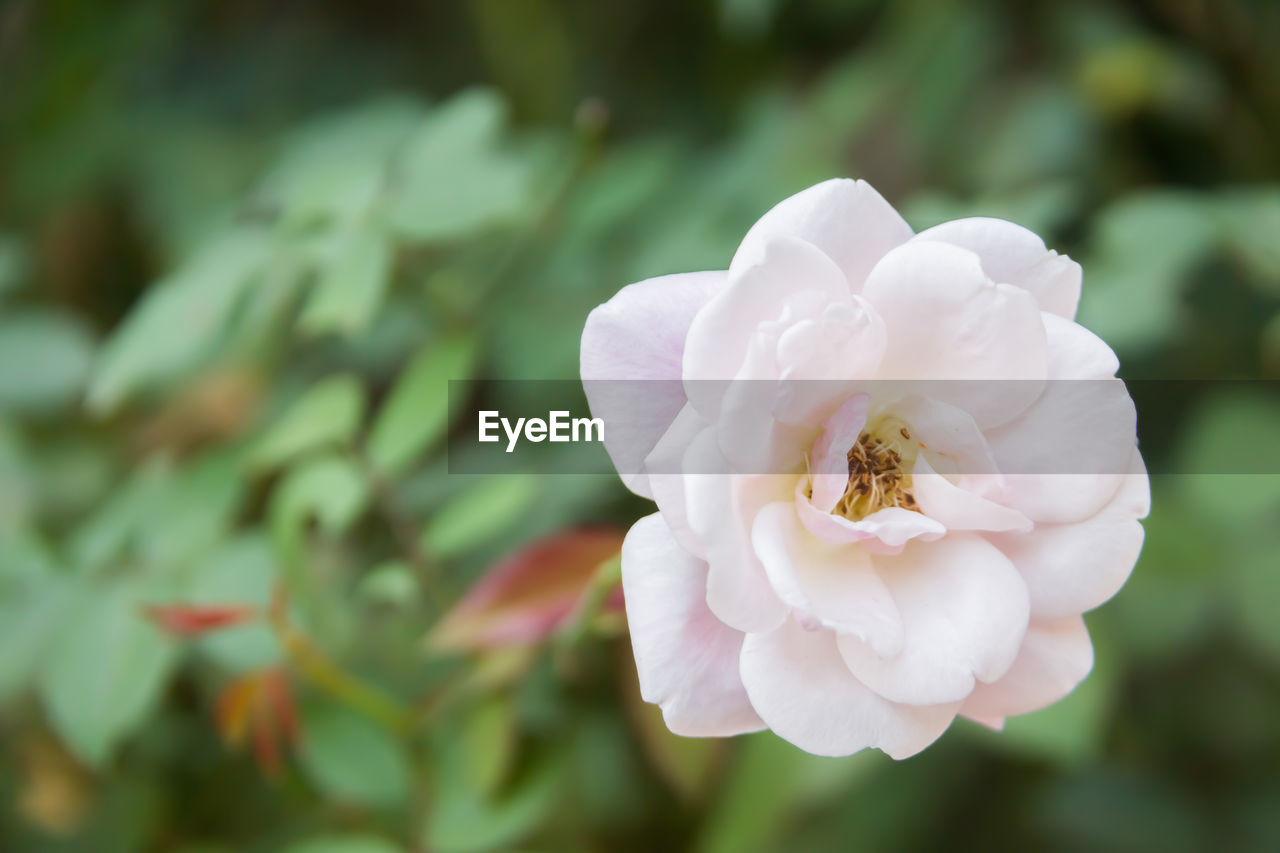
[[879, 470]]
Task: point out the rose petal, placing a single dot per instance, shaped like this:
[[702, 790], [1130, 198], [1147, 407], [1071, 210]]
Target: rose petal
[[1071, 568], [828, 463], [1075, 353], [964, 612], [722, 508], [958, 509], [801, 688], [1064, 457], [947, 320], [685, 657], [789, 273], [640, 334], [831, 586], [847, 220], [1055, 657], [884, 531], [1013, 255], [663, 467]]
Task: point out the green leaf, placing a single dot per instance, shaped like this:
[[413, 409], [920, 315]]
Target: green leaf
[[769, 782], [343, 844], [1253, 221], [416, 412], [1231, 460], [13, 263], [105, 672], [489, 739], [353, 286], [462, 821], [1143, 247], [329, 489], [478, 514], [336, 168], [352, 759], [1256, 584], [390, 583], [163, 515], [31, 617], [327, 414], [181, 319], [453, 179], [46, 356], [240, 572]]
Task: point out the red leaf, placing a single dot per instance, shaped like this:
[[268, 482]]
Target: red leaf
[[190, 620], [527, 595], [259, 707]]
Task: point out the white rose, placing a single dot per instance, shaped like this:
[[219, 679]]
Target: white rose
[[883, 547]]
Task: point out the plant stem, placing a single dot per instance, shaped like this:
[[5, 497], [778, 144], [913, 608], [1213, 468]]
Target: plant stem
[[325, 673]]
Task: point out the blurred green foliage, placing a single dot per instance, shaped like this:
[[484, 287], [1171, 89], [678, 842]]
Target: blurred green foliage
[[243, 246]]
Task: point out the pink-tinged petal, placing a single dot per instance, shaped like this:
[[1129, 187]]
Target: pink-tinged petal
[[667, 480], [947, 320], [721, 508], [821, 360], [639, 334], [1055, 657], [1071, 568], [801, 688], [1065, 456], [958, 509], [526, 596], [1133, 498], [1013, 255], [829, 462], [946, 433], [685, 657], [829, 586], [848, 220], [1075, 353], [751, 437], [789, 276], [964, 613], [996, 724], [884, 531]]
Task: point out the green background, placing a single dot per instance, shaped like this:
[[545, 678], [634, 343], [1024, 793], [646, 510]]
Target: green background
[[243, 244]]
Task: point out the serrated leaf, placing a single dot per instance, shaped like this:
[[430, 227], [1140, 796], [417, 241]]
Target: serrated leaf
[[352, 759], [328, 414], [105, 672], [353, 285], [416, 412]]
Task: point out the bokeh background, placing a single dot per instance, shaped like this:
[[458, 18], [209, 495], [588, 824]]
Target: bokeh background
[[243, 245]]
